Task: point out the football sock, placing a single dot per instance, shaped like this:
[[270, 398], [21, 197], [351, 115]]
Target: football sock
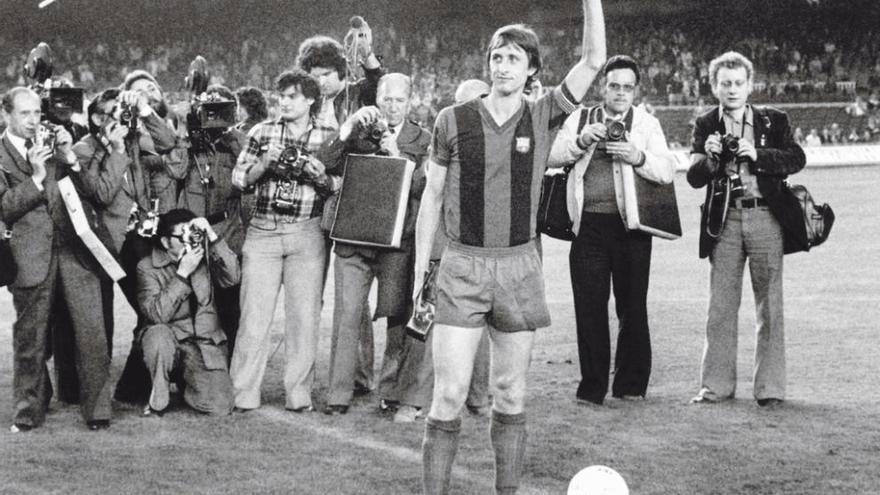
[[508, 433], [438, 452]]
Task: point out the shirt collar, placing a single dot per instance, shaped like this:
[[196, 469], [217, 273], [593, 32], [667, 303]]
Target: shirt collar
[[748, 116], [17, 143]]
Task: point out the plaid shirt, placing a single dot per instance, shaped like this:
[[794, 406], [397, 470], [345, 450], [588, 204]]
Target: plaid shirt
[[308, 200]]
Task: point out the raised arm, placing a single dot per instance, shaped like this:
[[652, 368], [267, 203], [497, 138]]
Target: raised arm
[[593, 51]]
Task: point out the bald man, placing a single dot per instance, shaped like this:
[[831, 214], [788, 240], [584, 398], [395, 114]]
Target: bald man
[[404, 383], [470, 89]]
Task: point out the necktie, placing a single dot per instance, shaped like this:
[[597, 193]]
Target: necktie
[[28, 144]]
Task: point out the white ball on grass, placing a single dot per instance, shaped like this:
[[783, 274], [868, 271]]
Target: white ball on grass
[[598, 480]]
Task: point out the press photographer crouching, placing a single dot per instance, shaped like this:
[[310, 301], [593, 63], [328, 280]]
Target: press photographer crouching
[[176, 287], [208, 191], [286, 161], [122, 124], [405, 381]]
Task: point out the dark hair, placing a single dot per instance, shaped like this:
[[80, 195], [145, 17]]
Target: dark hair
[[523, 37], [622, 62], [321, 51], [221, 90], [254, 103], [307, 85], [169, 220], [9, 97], [95, 107]]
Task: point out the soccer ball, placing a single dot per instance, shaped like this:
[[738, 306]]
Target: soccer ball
[[598, 480]]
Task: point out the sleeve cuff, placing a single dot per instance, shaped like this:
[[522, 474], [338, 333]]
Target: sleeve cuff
[[565, 99]]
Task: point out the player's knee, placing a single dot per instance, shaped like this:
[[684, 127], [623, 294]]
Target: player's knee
[[510, 394], [450, 396]]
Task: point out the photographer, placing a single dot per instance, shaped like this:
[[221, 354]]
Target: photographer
[[252, 108], [55, 268], [209, 193], [330, 63], [285, 160], [176, 287], [165, 168], [614, 135], [404, 383], [742, 154], [111, 156]]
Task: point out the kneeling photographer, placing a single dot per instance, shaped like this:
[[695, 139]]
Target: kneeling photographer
[[176, 286], [214, 146], [404, 384], [286, 160]]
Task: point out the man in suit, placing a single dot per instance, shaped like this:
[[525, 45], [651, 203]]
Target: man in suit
[[111, 156], [757, 219], [54, 266], [405, 382]]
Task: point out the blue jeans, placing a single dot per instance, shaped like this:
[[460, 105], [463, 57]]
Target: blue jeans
[[293, 254], [752, 234]]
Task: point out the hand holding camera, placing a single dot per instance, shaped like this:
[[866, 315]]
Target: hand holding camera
[[592, 133], [115, 134], [190, 260], [201, 224], [37, 157], [135, 100]]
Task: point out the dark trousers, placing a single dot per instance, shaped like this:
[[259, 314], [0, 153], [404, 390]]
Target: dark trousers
[[604, 252], [67, 282], [134, 384]]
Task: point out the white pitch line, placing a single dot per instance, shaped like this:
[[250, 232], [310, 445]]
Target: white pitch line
[[404, 454]]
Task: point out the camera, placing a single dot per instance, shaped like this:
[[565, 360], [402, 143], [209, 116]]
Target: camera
[[192, 237], [128, 117], [374, 132], [290, 164], [422, 318], [729, 148], [57, 103], [146, 225], [46, 136], [208, 112], [616, 131], [283, 201], [736, 186]]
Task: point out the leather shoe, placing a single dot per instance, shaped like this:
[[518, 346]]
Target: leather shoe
[[149, 411], [336, 409], [302, 409], [769, 402], [98, 424], [20, 428], [388, 405]]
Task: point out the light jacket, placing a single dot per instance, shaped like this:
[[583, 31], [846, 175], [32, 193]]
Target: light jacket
[[646, 134]]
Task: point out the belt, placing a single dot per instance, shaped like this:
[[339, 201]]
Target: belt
[[747, 203]]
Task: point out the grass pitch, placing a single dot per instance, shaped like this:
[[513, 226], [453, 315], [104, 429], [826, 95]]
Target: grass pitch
[[824, 439]]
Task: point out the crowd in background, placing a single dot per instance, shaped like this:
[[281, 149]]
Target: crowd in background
[[810, 58]]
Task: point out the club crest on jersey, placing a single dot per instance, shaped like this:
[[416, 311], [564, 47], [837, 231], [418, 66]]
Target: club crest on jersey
[[523, 144]]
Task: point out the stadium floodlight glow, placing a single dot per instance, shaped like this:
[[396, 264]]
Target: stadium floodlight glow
[[45, 3]]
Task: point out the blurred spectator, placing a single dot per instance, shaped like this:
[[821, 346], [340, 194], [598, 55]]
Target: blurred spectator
[[813, 138]]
